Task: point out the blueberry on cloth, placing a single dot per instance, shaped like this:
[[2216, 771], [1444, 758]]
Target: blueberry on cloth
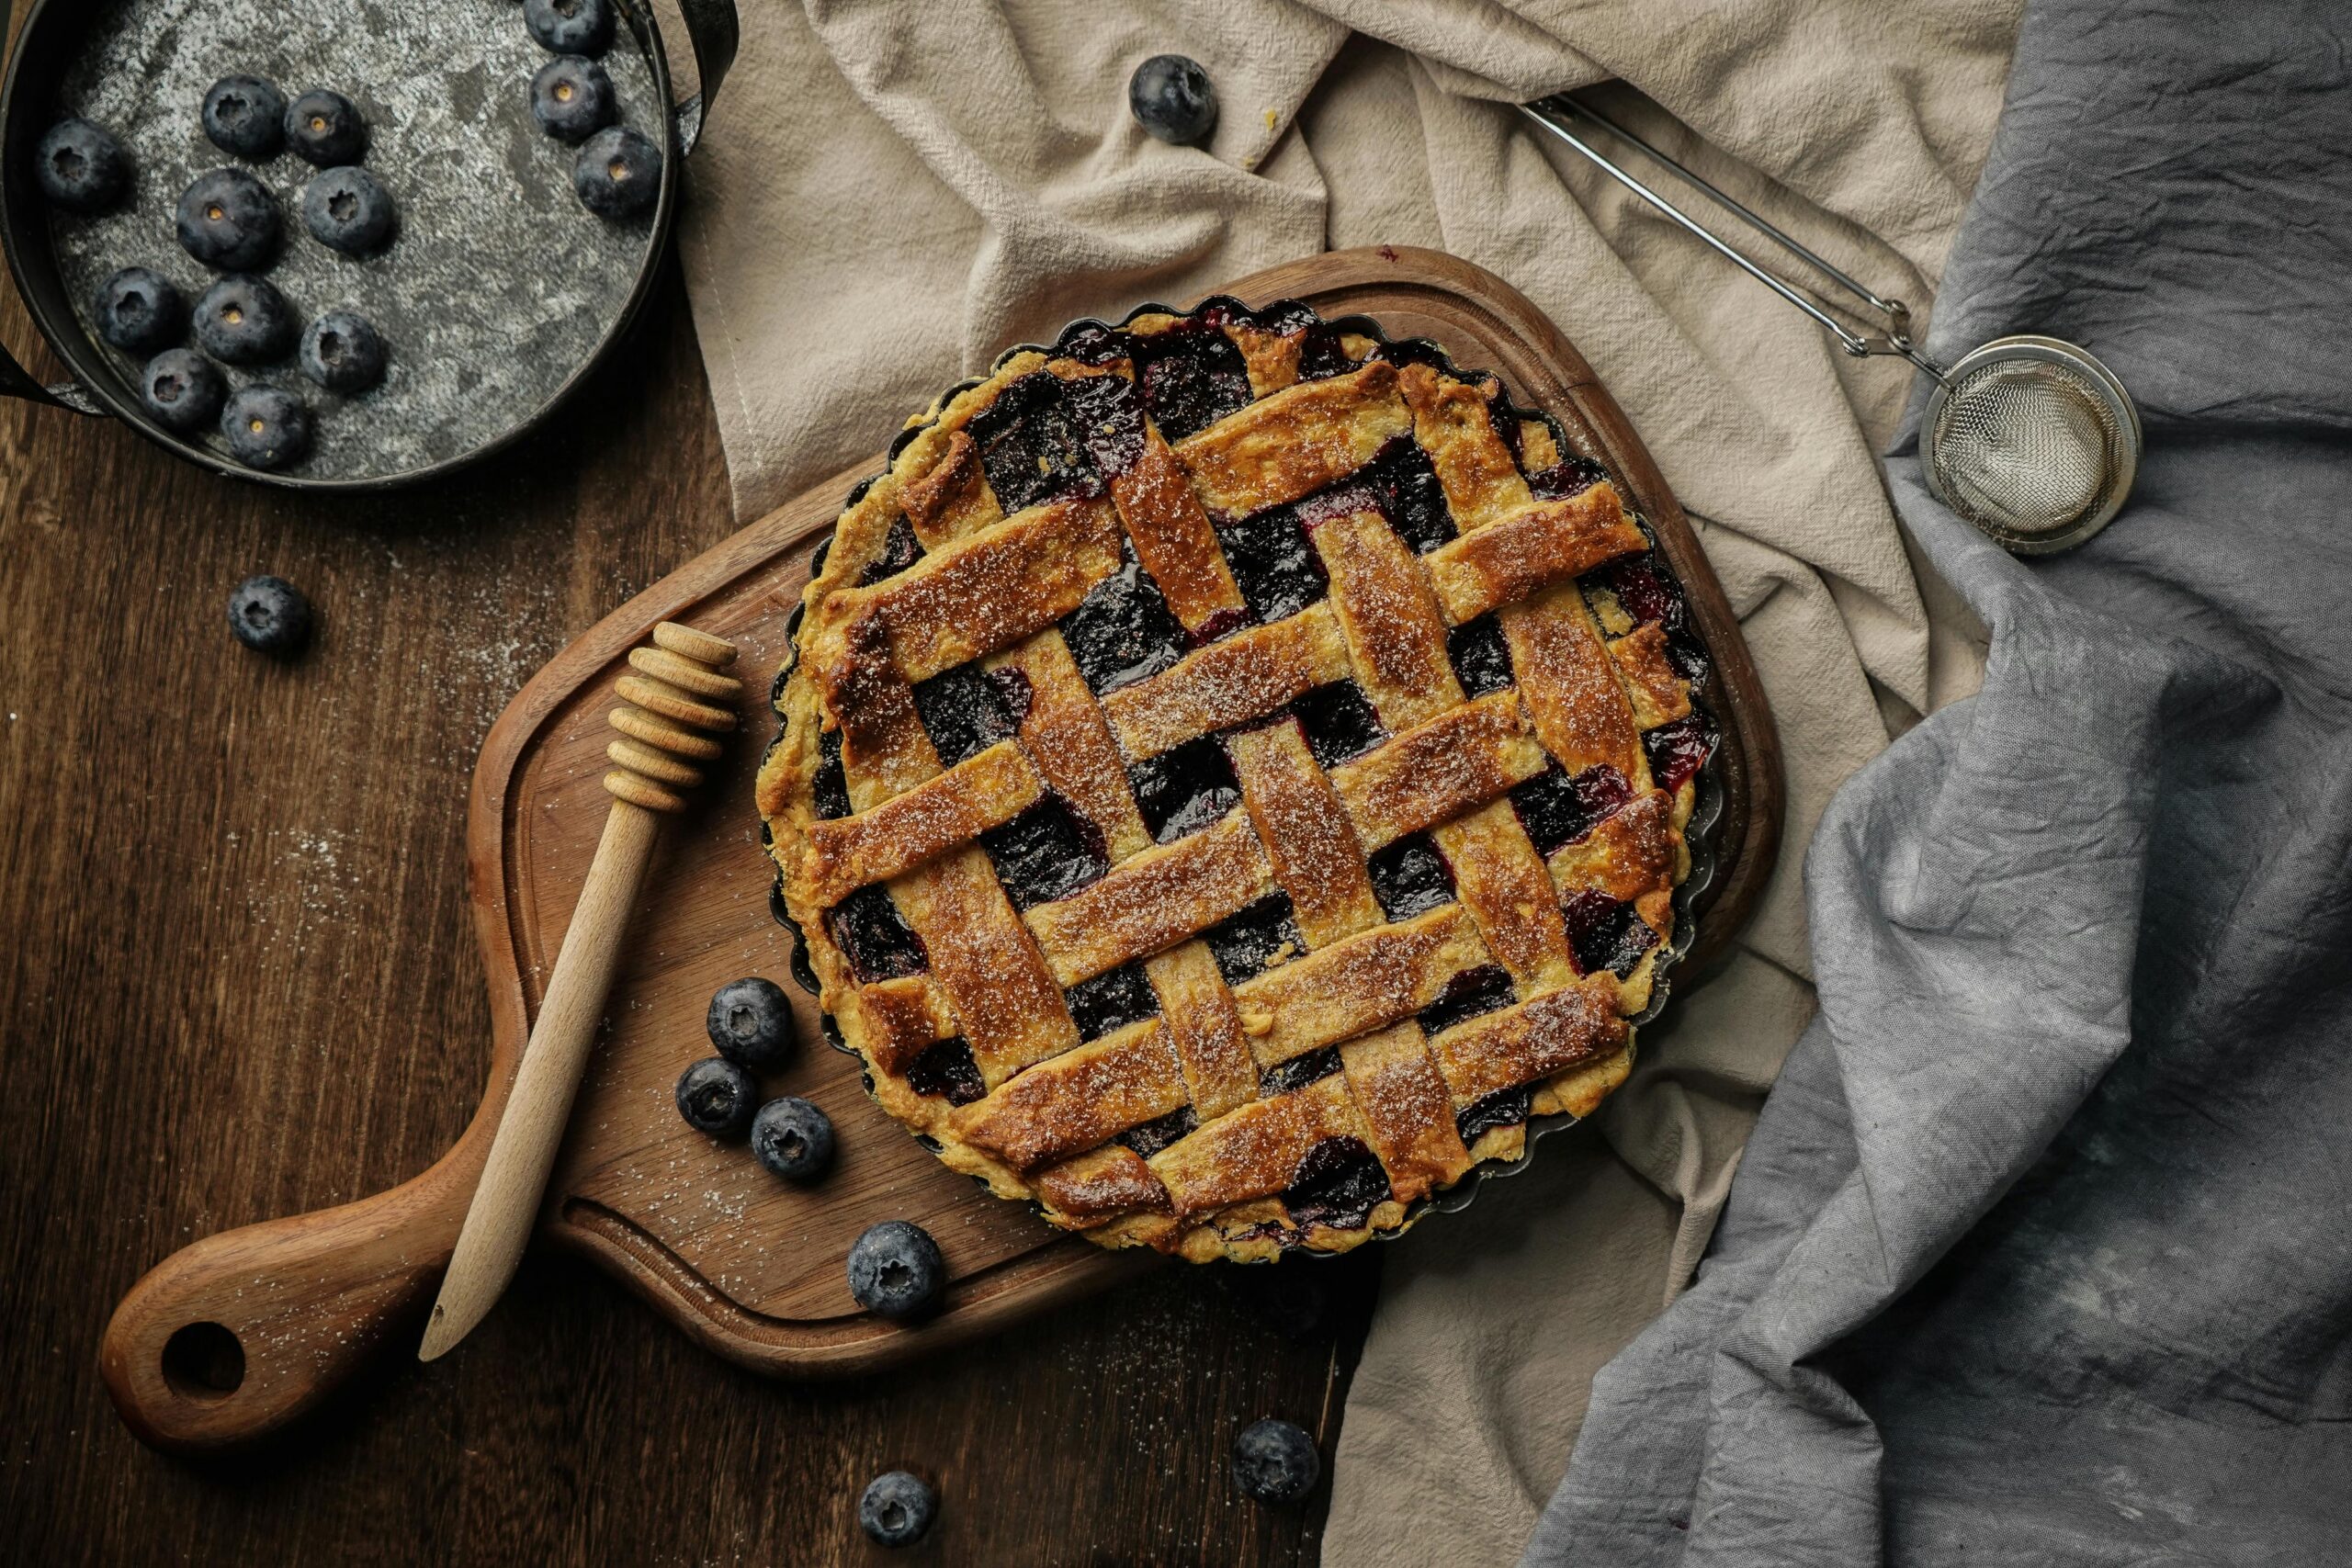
[[81, 167], [618, 174], [571, 98], [570, 26], [895, 1269], [229, 219], [751, 1023], [348, 210], [1274, 1461], [793, 1138], [341, 353], [246, 115], [270, 615], [1172, 98], [716, 1097], [138, 311], [183, 390], [266, 428], [326, 129], [243, 319], [895, 1508]]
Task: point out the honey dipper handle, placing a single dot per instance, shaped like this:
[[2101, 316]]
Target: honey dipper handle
[[506, 1204]]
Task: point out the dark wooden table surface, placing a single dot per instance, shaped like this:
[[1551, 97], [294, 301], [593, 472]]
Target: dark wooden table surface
[[238, 980]]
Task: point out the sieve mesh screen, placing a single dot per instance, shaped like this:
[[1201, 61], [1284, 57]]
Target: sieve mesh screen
[[2025, 447]]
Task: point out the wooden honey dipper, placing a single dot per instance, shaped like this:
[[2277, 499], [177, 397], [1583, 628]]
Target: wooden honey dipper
[[674, 695]]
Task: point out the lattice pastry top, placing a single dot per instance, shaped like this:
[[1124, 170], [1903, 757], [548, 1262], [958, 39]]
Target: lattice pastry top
[[1234, 774]]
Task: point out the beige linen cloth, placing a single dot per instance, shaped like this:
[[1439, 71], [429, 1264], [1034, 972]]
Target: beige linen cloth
[[892, 193]]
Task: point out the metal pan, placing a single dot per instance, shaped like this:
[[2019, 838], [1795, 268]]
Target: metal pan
[[500, 293]]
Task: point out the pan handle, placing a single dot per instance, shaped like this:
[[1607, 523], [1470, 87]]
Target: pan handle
[[714, 30]]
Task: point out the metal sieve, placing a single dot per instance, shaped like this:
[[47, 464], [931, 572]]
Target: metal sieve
[[2030, 439]]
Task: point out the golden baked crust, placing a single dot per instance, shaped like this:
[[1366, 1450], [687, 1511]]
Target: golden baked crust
[[1216, 788]]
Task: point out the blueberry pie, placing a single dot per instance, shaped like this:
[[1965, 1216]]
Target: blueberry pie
[[1234, 774]]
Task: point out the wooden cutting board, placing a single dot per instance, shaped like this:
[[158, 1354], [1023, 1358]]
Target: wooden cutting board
[[235, 1335]]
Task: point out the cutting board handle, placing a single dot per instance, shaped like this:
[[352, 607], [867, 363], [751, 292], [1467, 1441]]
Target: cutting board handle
[[230, 1339]]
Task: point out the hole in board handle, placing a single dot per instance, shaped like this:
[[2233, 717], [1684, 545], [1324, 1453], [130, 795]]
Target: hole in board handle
[[203, 1360]]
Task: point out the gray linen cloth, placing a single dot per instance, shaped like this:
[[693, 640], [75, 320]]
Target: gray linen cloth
[[2041, 1251]]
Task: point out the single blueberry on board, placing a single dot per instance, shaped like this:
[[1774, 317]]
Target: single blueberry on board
[[896, 1509], [571, 98], [80, 167], [270, 616], [266, 428], [326, 129], [348, 210], [716, 1097], [618, 172], [1274, 1461], [342, 352], [896, 1271], [750, 1022], [570, 26], [793, 1138], [1172, 98], [183, 390], [246, 116], [138, 311], [243, 319], [228, 220]]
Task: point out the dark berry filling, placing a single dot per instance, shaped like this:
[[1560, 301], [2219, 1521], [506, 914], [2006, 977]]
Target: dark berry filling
[[1185, 790], [1565, 478], [1047, 852], [1320, 354], [1299, 1071], [1504, 1108], [1253, 939], [1108, 418], [1416, 501], [1468, 994], [829, 790], [1274, 562], [1642, 593], [1338, 1184], [1033, 449], [965, 711], [1338, 722], [1481, 658], [1191, 375], [900, 550], [1092, 342], [1112, 1001], [1605, 933], [1155, 1135], [948, 1072], [1678, 750], [1411, 878], [1556, 809], [1124, 630], [874, 938]]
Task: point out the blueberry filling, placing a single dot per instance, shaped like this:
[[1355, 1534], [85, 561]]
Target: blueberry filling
[[964, 711], [1338, 1184], [1299, 1071], [947, 1071], [1092, 342], [1191, 375], [1112, 1001], [1185, 790], [1678, 750], [874, 938], [1565, 478], [830, 789], [1481, 658], [1032, 449], [1124, 630], [900, 550], [1338, 722], [1320, 354], [1109, 418], [1504, 1108], [1274, 562], [1047, 852], [1468, 994], [1410, 877], [1558, 809], [1605, 933], [1155, 1135], [1416, 501], [1253, 939]]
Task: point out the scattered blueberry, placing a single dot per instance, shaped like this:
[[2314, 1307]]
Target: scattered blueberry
[[895, 1269], [1172, 98], [570, 26], [326, 129], [243, 319], [1274, 1461], [348, 210], [229, 219], [716, 1097], [266, 428], [793, 1138], [270, 616], [618, 174], [573, 99], [138, 311], [245, 114], [81, 167], [751, 1023], [341, 353], [182, 390], [896, 1509]]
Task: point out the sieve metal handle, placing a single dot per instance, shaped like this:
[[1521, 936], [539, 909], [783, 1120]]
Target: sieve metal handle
[[1562, 116]]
